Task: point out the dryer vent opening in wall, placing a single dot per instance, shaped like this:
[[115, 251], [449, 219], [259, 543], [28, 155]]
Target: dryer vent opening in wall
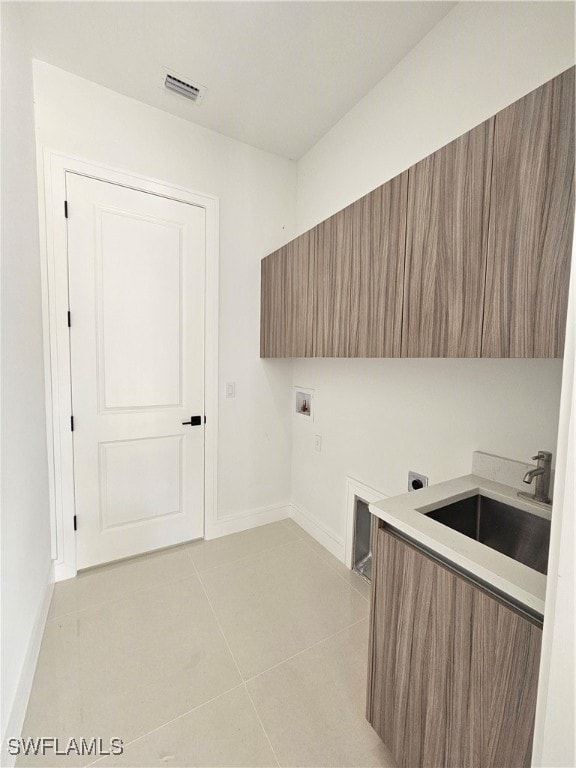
[[362, 551], [192, 91]]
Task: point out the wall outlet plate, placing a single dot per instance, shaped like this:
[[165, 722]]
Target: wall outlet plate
[[416, 481]]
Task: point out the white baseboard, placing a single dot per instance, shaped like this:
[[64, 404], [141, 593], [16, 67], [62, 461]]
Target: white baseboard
[[247, 520], [323, 535], [63, 571], [15, 721]]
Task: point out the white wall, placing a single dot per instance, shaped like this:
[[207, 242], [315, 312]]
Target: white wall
[[257, 213], [380, 418], [25, 517]]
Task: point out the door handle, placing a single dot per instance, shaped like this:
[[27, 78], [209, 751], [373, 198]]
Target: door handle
[[195, 421]]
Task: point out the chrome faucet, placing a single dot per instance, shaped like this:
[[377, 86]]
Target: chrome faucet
[[542, 475]]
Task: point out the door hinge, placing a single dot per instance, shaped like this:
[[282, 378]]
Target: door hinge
[[75, 524], [65, 209], [69, 320], [72, 423]]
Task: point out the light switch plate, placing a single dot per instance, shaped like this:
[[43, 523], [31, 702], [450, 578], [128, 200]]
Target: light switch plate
[[318, 443], [230, 389]]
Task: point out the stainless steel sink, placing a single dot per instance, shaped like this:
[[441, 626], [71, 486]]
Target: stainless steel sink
[[518, 534]]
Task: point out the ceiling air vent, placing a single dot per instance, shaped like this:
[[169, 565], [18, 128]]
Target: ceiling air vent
[[191, 91]]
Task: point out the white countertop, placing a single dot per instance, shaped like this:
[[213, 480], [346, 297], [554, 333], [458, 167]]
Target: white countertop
[[405, 513]]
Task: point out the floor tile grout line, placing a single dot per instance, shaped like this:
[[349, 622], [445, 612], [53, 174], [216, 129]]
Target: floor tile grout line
[[244, 682], [300, 538], [236, 663], [305, 540], [173, 720], [223, 693], [247, 557], [328, 637], [304, 650], [262, 725], [333, 567], [185, 548], [217, 621], [348, 626], [125, 596]]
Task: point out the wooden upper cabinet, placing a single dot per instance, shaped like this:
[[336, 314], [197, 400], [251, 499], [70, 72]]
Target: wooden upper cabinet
[[336, 291], [301, 296], [466, 254], [360, 268], [333, 238], [274, 315], [446, 243], [380, 244], [531, 224]]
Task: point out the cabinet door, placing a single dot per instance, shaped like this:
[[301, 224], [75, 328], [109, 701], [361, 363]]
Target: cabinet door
[[274, 316], [334, 266], [379, 243], [360, 271], [446, 245], [453, 671], [288, 300], [301, 295], [531, 224]]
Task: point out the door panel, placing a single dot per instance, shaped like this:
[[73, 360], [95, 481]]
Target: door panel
[[157, 463], [136, 281], [140, 343]]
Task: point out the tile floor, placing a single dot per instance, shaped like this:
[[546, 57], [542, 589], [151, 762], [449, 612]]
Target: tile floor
[[249, 650]]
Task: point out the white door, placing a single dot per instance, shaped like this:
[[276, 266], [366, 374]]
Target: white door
[[136, 270]]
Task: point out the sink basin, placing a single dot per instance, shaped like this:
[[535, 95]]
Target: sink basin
[[518, 534]]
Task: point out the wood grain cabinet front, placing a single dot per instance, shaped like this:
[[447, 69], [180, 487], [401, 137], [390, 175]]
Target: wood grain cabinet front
[[447, 232], [275, 319], [466, 254], [360, 267], [531, 224], [336, 291], [453, 671]]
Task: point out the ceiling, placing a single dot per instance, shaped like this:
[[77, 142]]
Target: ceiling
[[279, 75]]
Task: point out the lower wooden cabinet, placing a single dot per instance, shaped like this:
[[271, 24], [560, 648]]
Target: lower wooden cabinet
[[453, 671]]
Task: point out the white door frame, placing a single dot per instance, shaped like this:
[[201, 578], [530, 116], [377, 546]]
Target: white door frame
[[54, 269]]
